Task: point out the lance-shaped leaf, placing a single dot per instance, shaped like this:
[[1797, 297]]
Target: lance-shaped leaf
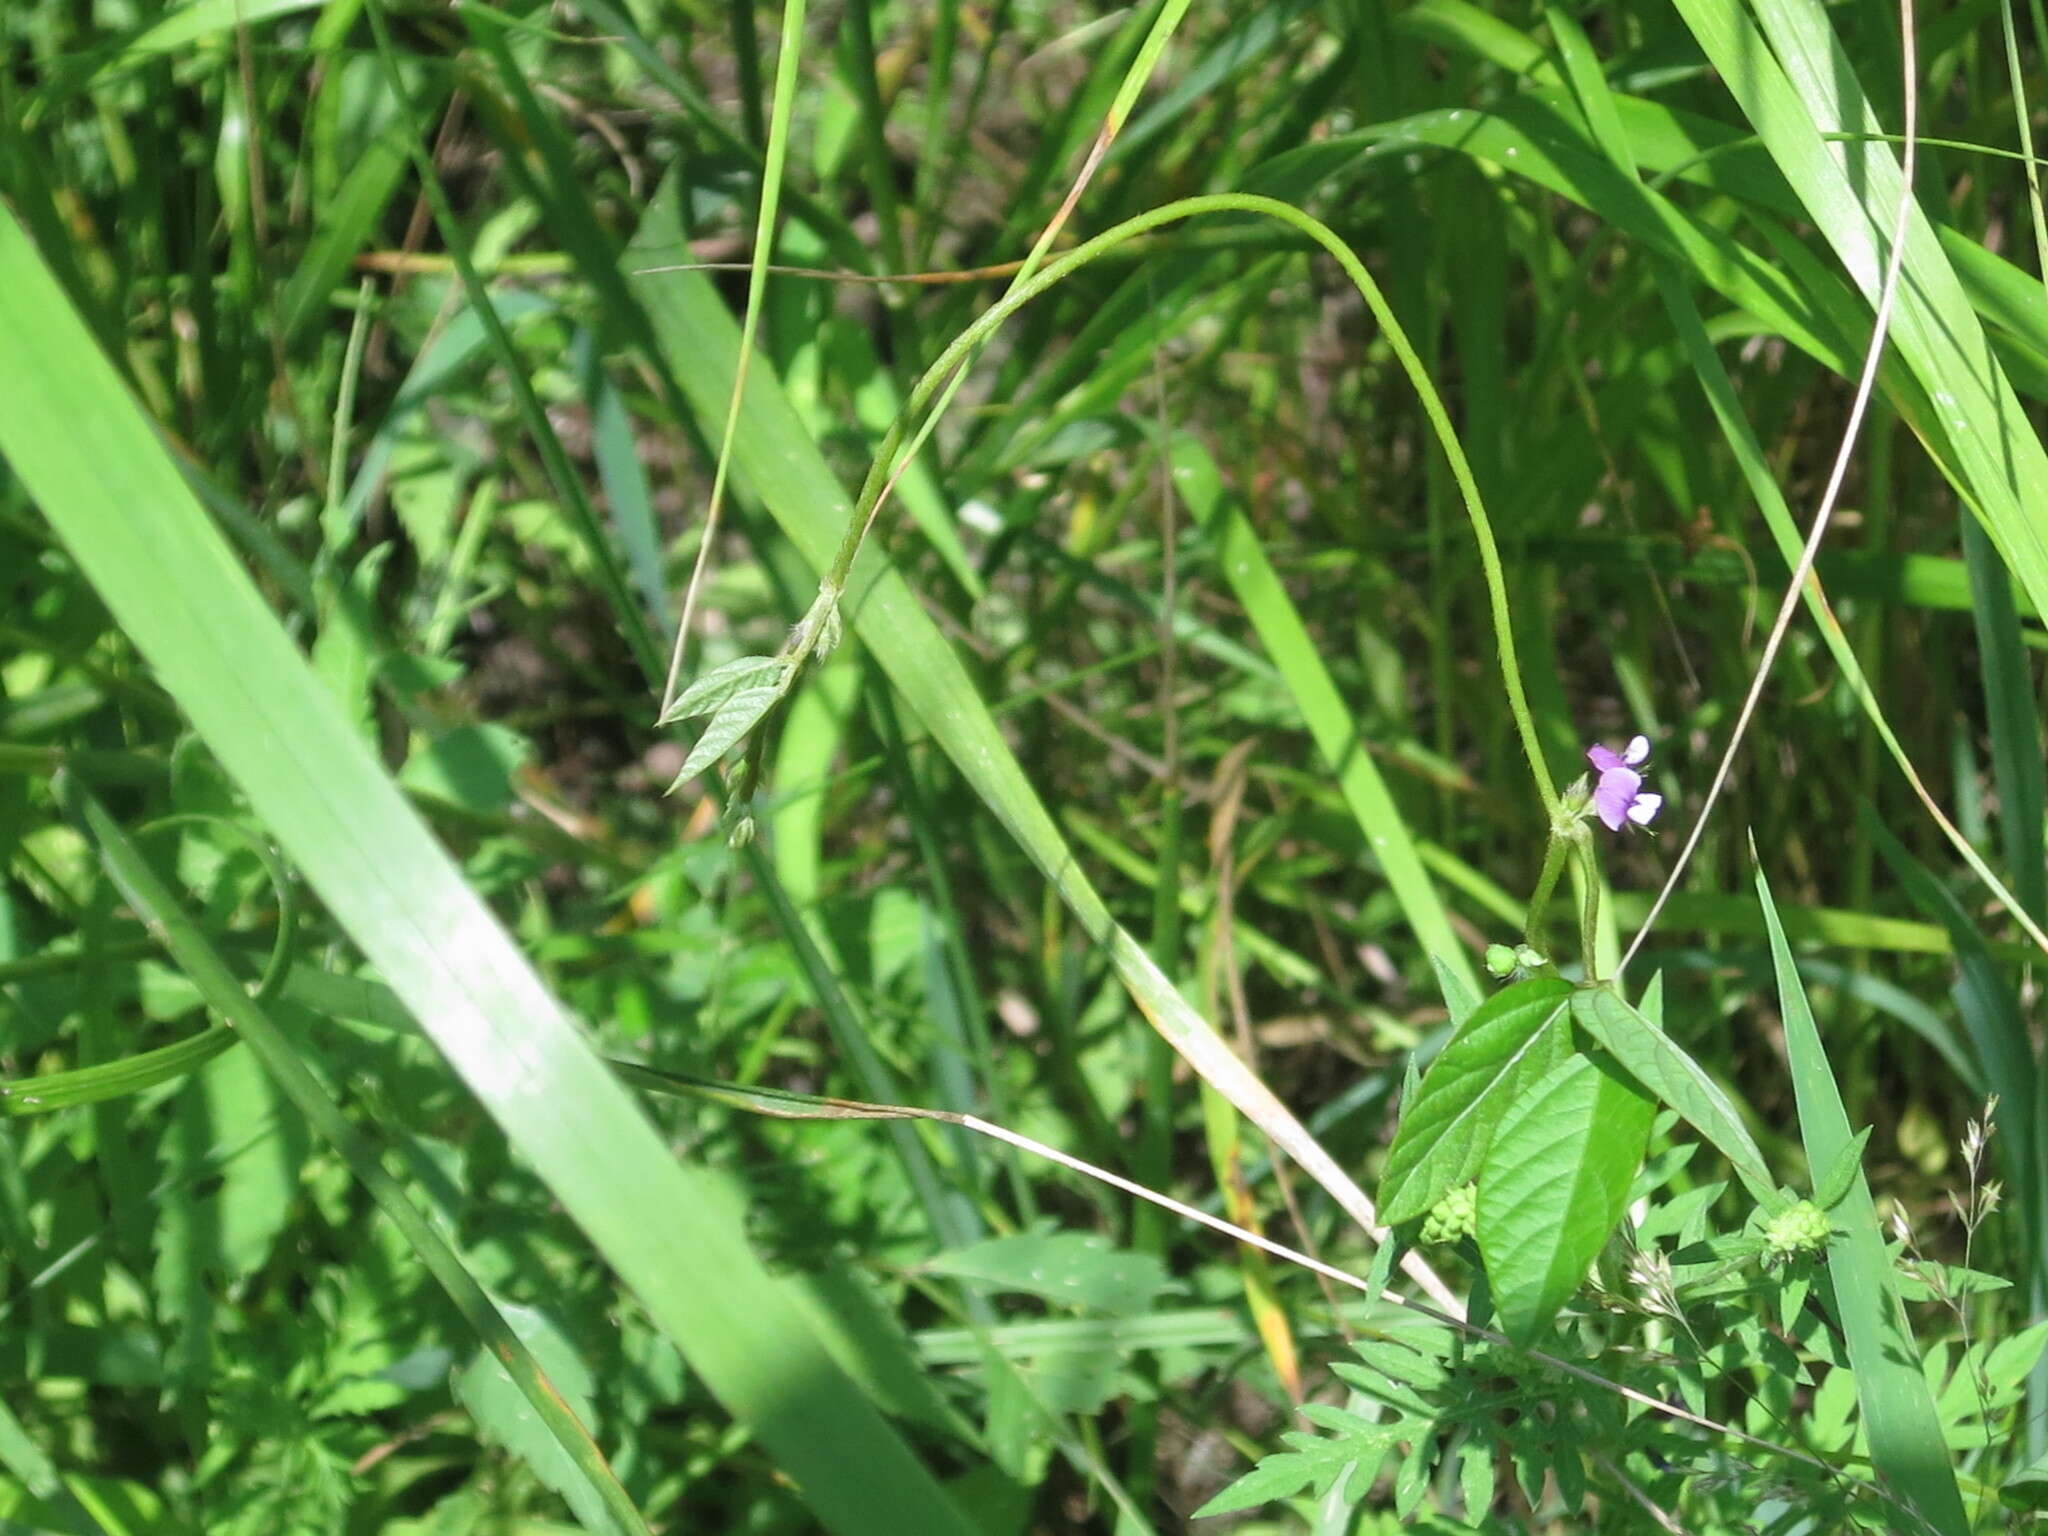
[[1555, 1181], [1509, 1041], [1666, 1071], [720, 684], [738, 715]]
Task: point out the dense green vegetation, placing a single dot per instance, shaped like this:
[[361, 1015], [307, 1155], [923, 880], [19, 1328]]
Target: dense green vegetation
[[1201, 479]]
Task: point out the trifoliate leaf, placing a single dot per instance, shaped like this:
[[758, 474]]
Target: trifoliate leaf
[[718, 685], [738, 715]]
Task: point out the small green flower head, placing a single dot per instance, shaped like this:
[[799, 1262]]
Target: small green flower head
[[1801, 1228], [1503, 960], [1453, 1216]]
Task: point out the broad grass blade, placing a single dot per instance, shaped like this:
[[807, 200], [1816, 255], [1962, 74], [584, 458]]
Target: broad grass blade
[[97, 469]]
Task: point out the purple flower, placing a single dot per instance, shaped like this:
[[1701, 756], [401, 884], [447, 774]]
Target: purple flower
[[1619, 797]]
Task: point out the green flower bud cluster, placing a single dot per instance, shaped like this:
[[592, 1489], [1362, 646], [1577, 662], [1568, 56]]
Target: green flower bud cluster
[[1504, 960], [1453, 1216], [1799, 1228]]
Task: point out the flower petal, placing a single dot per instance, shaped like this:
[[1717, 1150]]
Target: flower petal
[[1614, 794], [1644, 807], [1603, 758], [1637, 751]]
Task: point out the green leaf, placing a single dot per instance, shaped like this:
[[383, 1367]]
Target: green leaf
[[1277, 1477], [1906, 1441], [1074, 1269], [468, 766], [259, 1174], [1555, 1182], [1656, 1062], [739, 714], [1461, 997], [1476, 1476], [1321, 1466], [1514, 1037], [1832, 1185], [503, 1413], [718, 685], [2011, 1359]]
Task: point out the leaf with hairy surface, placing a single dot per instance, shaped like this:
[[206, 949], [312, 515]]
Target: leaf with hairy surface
[[1510, 1040]]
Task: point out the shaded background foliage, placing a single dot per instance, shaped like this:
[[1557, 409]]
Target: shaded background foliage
[[209, 1324]]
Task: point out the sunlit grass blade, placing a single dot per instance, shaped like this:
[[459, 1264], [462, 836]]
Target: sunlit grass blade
[[101, 476], [1905, 1434], [1245, 565], [1850, 191], [112, 1079]]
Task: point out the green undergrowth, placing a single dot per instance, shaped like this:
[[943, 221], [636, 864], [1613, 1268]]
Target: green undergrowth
[[1191, 485]]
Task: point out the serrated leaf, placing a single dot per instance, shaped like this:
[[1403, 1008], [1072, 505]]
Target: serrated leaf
[[1476, 1478], [1555, 1182], [738, 715], [1401, 1363], [1511, 1039], [718, 685], [1277, 1477], [1412, 1482], [1341, 1421], [1829, 1189], [1666, 1071], [1380, 1387], [1526, 1460], [1571, 1477]]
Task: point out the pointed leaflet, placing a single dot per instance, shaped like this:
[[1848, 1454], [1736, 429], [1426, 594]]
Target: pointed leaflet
[[1460, 996], [1656, 1062], [1554, 1183], [721, 683], [739, 714], [1511, 1039]]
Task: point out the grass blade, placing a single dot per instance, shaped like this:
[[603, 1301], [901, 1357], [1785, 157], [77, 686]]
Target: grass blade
[[1242, 558], [100, 474], [1898, 1410], [1850, 191]]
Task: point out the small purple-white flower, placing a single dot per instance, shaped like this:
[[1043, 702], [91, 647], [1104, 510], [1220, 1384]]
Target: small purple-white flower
[[1619, 797]]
